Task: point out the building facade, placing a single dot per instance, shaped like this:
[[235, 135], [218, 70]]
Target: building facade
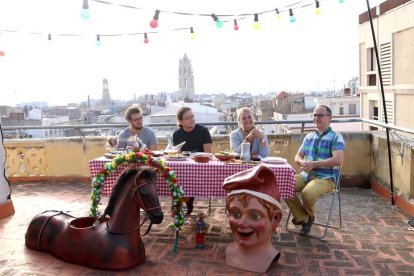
[[394, 29]]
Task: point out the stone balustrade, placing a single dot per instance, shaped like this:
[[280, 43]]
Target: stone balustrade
[[366, 158]]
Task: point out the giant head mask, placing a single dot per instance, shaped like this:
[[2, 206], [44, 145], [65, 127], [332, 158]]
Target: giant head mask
[[253, 205]]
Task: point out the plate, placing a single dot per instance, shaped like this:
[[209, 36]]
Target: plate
[[274, 160], [110, 155], [157, 153], [175, 158]]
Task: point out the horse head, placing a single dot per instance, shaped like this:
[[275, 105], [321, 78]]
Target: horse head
[[135, 188], [146, 192]]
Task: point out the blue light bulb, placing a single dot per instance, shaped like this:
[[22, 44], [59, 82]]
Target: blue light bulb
[[85, 14], [219, 24]]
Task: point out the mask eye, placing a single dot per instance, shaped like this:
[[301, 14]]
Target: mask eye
[[255, 216], [235, 214]]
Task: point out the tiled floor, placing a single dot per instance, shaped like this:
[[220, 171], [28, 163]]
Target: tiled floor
[[374, 240]]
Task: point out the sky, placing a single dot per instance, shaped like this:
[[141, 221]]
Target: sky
[[316, 52]]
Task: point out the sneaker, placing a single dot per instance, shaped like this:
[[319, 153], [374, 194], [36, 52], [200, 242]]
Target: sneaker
[[295, 222], [306, 226]]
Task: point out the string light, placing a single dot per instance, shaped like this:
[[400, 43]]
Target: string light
[[256, 23], [219, 23], [85, 14], [146, 40], [278, 14], [317, 9], [291, 16], [98, 40], [236, 27], [154, 21]]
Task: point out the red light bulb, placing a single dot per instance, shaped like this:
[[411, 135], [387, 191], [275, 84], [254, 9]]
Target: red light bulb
[[154, 23]]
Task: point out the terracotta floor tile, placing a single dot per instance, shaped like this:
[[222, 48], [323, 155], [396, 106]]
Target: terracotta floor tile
[[374, 239]]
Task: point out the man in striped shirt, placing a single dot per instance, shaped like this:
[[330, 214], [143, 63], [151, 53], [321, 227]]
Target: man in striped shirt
[[320, 152]]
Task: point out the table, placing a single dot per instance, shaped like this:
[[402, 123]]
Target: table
[[201, 179]]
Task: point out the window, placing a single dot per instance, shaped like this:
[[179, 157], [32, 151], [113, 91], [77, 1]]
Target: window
[[341, 110], [352, 109], [371, 67]]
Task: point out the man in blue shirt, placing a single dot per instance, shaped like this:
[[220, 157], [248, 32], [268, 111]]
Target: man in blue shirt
[[320, 152]]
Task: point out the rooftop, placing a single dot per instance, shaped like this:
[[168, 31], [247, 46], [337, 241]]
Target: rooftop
[[374, 239]]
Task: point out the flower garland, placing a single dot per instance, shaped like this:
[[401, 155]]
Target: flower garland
[[140, 157]]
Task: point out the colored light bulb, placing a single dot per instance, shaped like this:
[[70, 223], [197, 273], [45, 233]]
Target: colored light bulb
[[98, 40], [317, 8], [291, 16], [85, 14], [219, 23], [340, 1], [154, 21], [146, 40], [2, 53], [236, 27], [192, 34], [256, 24], [278, 14]]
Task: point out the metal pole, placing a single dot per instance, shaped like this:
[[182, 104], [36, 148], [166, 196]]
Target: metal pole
[[383, 103]]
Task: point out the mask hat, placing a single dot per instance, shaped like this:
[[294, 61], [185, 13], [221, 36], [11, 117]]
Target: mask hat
[[258, 181]]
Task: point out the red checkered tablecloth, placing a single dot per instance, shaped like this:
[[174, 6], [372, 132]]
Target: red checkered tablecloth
[[200, 179]]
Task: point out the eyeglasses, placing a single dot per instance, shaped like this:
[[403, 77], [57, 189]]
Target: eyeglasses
[[137, 119], [319, 115]]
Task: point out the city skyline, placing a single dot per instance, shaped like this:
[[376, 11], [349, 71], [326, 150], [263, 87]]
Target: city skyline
[[317, 52]]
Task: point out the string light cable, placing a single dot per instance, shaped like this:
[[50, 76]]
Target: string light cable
[[288, 9]]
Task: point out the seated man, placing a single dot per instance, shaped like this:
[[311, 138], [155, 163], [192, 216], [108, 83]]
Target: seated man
[[197, 138], [253, 205], [134, 117], [320, 151]]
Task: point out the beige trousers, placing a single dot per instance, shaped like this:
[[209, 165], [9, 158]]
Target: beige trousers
[[310, 194]]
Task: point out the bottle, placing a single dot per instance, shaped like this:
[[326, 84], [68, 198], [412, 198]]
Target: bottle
[[245, 151], [170, 143]]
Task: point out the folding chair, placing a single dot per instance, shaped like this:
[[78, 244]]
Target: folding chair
[[335, 193]]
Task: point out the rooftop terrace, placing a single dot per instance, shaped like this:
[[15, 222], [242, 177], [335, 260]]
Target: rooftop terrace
[[374, 239]]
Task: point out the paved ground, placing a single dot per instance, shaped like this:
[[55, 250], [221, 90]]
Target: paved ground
[[374, 240]]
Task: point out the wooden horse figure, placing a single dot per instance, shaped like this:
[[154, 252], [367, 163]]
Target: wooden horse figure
[[104, 243]]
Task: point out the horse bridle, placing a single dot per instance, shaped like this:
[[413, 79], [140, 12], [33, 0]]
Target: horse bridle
[[135, 192]]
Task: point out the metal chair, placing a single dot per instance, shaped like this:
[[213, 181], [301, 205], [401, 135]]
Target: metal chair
[[334, 194]]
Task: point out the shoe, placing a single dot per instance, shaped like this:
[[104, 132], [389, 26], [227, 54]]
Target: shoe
[[190, 205], [306, 226], [295, 222]]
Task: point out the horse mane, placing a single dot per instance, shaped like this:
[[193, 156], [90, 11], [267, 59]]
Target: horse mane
[[120, 183]]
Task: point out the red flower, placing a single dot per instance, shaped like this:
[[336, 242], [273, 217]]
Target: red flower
[[103, 171]]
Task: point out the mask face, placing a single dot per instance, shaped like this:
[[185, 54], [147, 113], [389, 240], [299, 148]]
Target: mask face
[[250, 225]]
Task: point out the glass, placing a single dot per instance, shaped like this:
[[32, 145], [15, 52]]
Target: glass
[[319, 115]]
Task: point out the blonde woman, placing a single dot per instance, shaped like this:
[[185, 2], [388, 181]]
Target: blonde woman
[[259, 146]]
